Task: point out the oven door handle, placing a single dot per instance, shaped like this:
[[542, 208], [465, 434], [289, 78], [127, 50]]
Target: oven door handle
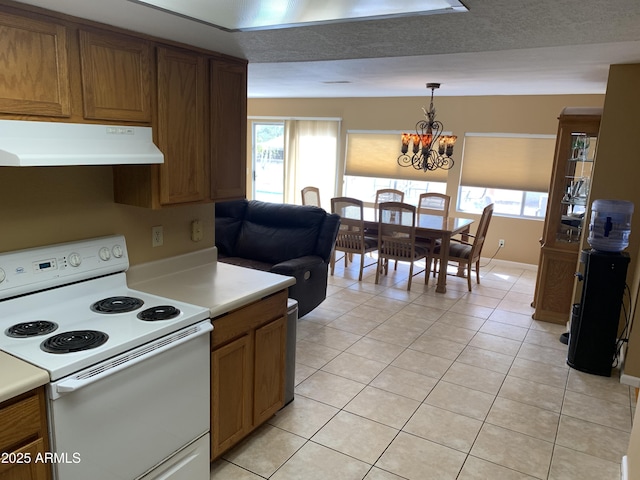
[[129, 359]]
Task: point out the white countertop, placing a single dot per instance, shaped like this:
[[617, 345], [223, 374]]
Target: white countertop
[[17, 376], [198, 278]]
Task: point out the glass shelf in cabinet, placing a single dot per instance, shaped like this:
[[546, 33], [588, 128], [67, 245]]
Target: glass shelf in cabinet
[[580, 201], [580, 160]]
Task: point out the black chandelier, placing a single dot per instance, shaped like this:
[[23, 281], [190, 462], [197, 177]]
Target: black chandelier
[[431, 150]]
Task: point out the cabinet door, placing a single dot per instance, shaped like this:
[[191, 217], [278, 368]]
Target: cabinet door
[[181, 129], [115, 77], [34, 78], [269, 366], [29, 470], [228, 130], [231, 396], [555, 285]]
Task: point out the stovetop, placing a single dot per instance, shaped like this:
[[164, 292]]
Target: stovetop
[[100, 311]]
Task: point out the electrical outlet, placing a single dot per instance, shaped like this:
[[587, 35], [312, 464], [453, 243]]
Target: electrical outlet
[[501, 243], [196, 231], [157, 236]]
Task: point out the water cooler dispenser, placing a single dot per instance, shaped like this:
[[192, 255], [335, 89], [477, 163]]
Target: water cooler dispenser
[[594, 321]]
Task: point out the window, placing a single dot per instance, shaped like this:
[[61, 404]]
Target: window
[[510, 171], [371, 164]]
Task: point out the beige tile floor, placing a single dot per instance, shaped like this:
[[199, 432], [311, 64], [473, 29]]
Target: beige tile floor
[[418, 385]]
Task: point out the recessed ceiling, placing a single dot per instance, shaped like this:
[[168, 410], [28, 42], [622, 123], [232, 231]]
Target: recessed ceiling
[[498, 47], [261, 15]]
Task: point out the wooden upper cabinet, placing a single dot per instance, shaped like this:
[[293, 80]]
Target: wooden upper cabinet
[[182, 126], [228, 130], [116, 77], [34, 67]]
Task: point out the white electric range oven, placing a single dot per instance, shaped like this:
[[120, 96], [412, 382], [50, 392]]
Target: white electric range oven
[[130, 371]]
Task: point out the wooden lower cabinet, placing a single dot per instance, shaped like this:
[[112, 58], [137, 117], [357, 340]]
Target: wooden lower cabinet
[[23, 437], [247, 370], [269, 369], [554, 287], [231, 385], [29, 470]]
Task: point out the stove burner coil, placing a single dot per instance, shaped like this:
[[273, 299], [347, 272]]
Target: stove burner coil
[[161, 312], [117, 305], [31, 329], [74, 341]]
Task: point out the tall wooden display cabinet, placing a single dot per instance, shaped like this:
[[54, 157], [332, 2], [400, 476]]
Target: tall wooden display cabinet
[[566, 213]]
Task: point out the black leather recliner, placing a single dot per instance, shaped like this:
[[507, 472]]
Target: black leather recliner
[[291, 240]]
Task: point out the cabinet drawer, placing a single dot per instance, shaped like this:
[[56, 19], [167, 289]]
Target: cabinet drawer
[[19, 421], [26, 466], [238, 322]]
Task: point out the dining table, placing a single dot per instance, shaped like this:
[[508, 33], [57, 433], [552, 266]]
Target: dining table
[[432, 228]]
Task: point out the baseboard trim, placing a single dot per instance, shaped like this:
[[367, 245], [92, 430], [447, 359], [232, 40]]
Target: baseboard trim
[[507, 263], [630, 380]]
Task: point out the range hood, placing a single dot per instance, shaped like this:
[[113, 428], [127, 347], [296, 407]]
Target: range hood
[[33, 144]]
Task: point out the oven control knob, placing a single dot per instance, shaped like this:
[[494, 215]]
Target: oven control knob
[[105, 254], [75, 259], [117, 251], [2, 275]]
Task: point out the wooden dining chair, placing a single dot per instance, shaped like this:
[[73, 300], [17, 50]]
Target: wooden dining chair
[[311, 196], [432, 203], [468, 253], [351, 234], [397, 239], [387, 195]]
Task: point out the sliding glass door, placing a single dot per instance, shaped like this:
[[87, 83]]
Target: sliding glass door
[[268, 161], [289, 155]]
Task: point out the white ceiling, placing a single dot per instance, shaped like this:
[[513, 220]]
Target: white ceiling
[[498, 47]]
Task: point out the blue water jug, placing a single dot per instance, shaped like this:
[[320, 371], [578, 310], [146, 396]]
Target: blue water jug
[[610, 225]]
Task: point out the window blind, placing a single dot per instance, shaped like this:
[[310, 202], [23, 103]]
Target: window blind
[[375, 154], [509, 162]]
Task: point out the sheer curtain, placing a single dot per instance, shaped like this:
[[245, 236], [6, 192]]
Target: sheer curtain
[[311, 151]]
